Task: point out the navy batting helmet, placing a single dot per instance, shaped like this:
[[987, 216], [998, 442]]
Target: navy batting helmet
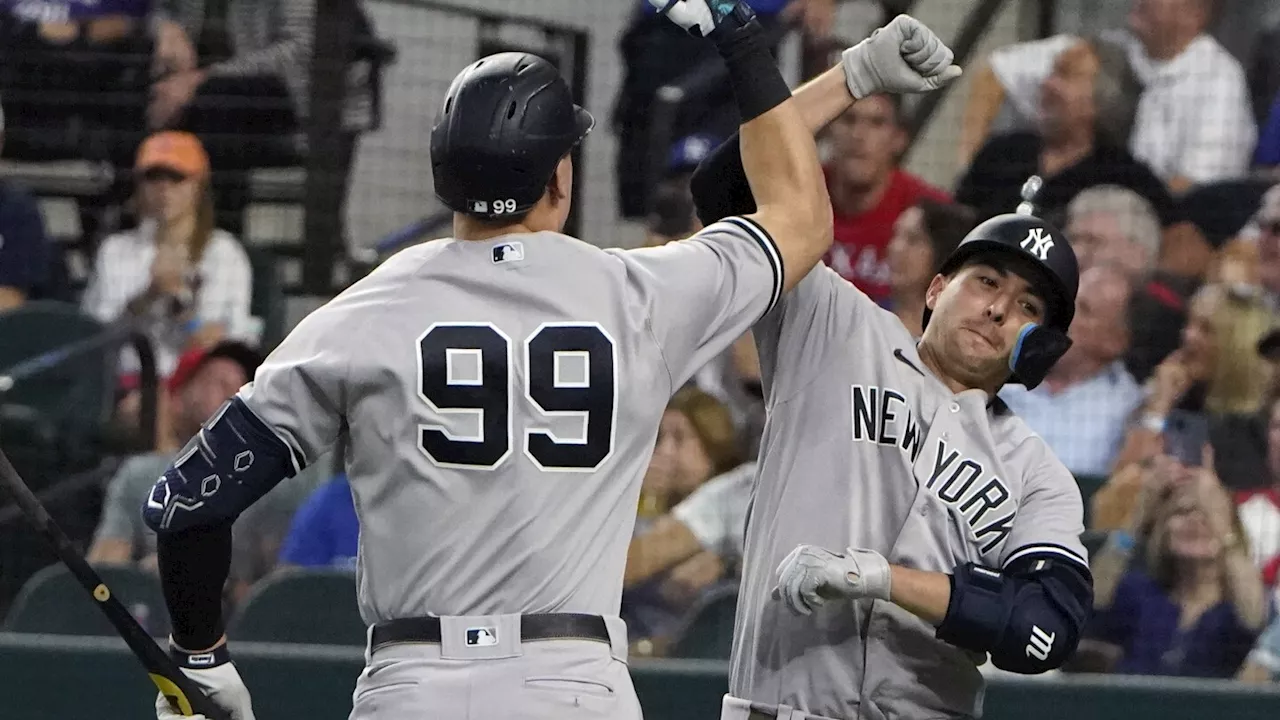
[[506, 122], [1041, 251]]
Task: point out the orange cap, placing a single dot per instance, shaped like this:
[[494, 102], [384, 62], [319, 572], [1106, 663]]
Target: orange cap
[[173, 150]]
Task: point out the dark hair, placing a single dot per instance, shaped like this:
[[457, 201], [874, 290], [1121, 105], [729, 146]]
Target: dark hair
[[237, 352], [946, 223]]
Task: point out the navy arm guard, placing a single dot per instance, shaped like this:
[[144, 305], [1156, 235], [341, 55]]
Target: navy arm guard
[[233, 461], [1029, 616]]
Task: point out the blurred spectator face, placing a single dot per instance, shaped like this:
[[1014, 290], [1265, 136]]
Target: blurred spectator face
[[1199, 337], [1111, 225], [867, 141], [1189, 535], [1268, 222], [212, 385], [910, 254], [1156, 23], [1066, 96], [1273, 440], [683, 452], [172, 169], [169, 196], [1100, 330]]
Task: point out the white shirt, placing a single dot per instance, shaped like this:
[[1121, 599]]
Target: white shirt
[[716, 513], [122, 272], [1194, 119]]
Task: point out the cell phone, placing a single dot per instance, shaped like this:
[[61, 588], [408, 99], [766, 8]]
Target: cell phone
[[1185, 434]]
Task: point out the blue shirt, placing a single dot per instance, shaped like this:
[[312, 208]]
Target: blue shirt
[[1268, 153], [762, 7], [62, 10], [1143, 621], [325, 531], [1084, 424], [24, 249]]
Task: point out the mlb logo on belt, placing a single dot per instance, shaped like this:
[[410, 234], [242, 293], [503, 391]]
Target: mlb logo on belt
[[482, 636], [508, 252]]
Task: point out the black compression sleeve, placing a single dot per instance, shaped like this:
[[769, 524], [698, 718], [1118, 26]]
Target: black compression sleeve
[[194, 564], [753, 73], [720, 186]]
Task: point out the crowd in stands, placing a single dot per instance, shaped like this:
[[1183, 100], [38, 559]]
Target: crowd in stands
[[1143, 143]]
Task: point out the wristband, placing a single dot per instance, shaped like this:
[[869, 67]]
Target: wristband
[[757, 83], [201, 660]]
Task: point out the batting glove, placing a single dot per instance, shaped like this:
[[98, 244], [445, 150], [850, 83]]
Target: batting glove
[[216, 675], [700, 18], [811, 575], [901, 57]]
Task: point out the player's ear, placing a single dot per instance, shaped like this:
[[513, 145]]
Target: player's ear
[[936, 286], [561, 185]]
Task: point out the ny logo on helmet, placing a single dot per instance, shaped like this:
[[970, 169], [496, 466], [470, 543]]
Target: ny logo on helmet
[[1038, 243]]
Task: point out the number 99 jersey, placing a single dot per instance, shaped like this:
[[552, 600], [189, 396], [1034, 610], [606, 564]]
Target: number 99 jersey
[[501, 400]]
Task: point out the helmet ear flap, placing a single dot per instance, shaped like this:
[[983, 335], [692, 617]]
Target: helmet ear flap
[[1034, 354]]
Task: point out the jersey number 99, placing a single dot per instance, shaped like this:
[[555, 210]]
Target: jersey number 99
[[570, 371]]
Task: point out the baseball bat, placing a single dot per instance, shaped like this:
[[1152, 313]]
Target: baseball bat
[[184, 695]]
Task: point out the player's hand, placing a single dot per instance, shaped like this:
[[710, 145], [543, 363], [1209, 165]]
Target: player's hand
[[811, 575], [901, 57], [701, 17], [220, 681]]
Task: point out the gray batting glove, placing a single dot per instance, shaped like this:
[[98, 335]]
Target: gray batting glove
[[901, 57], [811, 575]]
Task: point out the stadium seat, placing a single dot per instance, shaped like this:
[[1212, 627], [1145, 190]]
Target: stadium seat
[[53, 602], [708, 633], [268, 302], [72, 400], [301, 606]]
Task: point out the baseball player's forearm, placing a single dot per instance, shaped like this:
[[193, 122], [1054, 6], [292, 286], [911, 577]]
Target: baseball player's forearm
[[823, 99], [194, 564], [924, 594]]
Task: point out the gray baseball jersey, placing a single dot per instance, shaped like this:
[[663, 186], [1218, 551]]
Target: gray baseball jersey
[[501, 399], [864, 447]]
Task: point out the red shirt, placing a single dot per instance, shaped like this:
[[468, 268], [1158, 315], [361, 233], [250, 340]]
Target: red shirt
[[861, 240]]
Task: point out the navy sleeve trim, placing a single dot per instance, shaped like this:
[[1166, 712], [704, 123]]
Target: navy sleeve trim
[[757, 232]]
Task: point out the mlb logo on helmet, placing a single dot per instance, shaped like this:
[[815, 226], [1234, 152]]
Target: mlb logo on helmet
[[482, 636], [508, 252]]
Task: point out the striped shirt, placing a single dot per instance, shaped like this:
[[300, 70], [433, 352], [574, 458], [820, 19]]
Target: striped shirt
[[276, 37]]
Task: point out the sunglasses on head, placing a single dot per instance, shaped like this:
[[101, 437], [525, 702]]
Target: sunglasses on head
[[158, 174]]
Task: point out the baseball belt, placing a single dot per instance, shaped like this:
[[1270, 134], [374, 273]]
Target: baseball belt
[[543, 626]]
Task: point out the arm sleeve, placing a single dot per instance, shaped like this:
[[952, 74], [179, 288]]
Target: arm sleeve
[[294, 37], [1222, 129], [703, 293], [1022, 67], [299, 392], [24, 249]]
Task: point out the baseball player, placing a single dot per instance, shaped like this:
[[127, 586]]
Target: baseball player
[[500, 393], [905, 526]]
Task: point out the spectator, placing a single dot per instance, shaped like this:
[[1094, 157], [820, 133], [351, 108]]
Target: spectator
[[1113, 225], [254, 86], [696, 441], [1087, 106], [1259, 508], [1263, 663], [1082, 407], [1194, 603], [1266, 229], [189, 280], [1194, 122], [24, 250], [204, 381], [923, 236], [325, 532], [1157, 315], [869, 191], [1267, 156]]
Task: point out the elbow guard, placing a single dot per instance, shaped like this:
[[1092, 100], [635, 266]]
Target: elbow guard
[[1029, 616], [234, 460]]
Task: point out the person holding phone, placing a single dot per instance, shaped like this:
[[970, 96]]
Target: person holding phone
[[1176, 592]]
